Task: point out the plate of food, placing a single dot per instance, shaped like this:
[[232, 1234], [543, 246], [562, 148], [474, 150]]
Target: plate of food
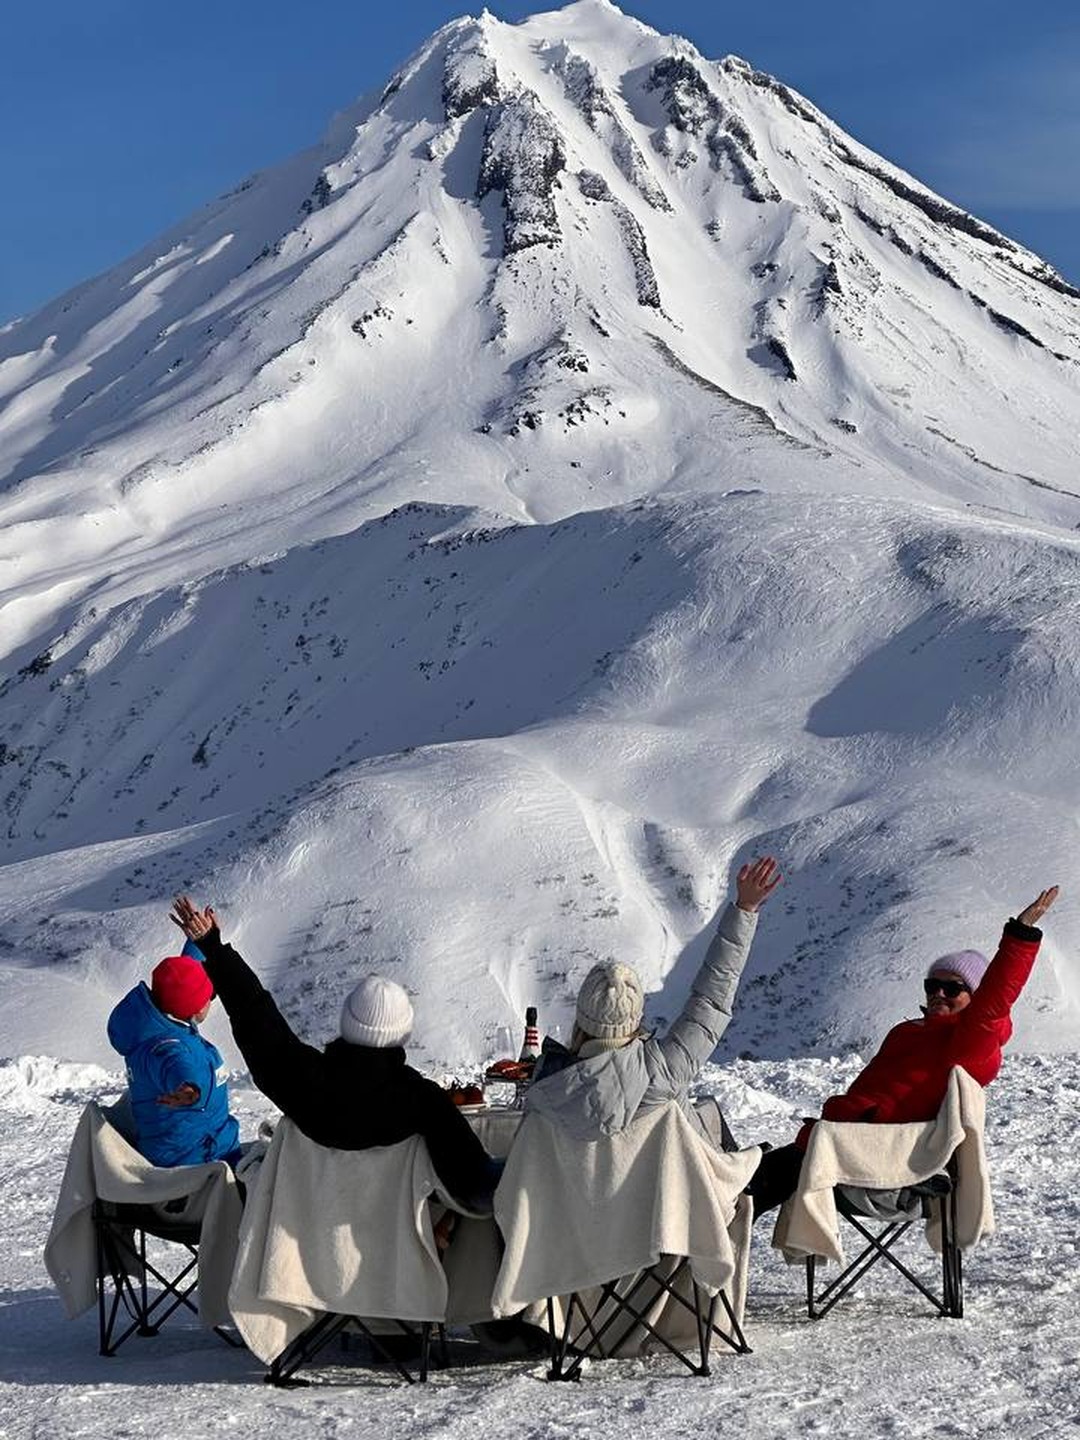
[[509, 1072], [467, 1097]]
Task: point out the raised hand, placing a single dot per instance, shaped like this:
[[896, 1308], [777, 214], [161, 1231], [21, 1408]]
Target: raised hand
[[1034, 912], [194, 923], [755, 882]]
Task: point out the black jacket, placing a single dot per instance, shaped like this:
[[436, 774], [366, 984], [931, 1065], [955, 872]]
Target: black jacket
[[351, 1097]]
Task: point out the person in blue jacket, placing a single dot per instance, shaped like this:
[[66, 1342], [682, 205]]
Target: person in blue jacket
[[176, 1079]]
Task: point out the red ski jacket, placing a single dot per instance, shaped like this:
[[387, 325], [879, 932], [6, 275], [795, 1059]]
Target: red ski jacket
[[907, 1078]]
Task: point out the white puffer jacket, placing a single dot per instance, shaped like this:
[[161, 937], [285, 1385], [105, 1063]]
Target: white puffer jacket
[[601, 1094]]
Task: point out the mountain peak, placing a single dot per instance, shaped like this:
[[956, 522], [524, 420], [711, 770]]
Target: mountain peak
[[397, 542], [613, 235]]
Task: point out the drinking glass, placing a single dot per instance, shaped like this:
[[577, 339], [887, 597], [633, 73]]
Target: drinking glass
[[506, 1046]]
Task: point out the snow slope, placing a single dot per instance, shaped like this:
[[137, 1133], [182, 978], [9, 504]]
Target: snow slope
[[454, 549], [483, 758], [646, 270]]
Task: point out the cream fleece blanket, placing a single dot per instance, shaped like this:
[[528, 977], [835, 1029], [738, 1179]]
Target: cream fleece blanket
[[344, 1231], [886, 1156], [101, 1164], [576, 1213]]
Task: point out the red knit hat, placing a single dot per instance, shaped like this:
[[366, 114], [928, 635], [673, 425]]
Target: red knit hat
[[180, 986]]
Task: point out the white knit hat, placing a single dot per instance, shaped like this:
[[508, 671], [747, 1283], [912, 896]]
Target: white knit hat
[[377, 1013], [970, 965], [610, 1001]]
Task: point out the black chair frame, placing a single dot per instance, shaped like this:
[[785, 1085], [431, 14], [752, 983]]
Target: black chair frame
[[567, 1354], [303, 1350], [949, 1304], [120, 1234]]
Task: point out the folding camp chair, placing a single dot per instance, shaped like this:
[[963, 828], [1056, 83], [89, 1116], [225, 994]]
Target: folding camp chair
[[123, 1266], [307, 1347], [336, 1242], [880, 1180], [899, 1210], [626, 1262], [111, 1200], [594, 1325]]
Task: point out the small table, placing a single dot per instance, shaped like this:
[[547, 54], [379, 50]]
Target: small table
[[495, 1127], [472, 1261]]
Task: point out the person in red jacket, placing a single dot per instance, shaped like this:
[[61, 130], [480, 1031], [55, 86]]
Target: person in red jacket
[[966, 1021]]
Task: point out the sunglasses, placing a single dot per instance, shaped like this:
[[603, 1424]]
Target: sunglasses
[[949, 988]]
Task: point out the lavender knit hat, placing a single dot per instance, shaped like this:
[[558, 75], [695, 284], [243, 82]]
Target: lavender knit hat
[[970, 965]]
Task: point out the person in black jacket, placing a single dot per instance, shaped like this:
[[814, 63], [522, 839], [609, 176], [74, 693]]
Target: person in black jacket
[[356, 1093]]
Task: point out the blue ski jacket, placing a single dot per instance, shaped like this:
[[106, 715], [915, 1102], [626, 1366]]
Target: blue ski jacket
[[162, 1054]]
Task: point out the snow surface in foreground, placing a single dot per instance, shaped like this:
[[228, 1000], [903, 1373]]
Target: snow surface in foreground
[[881, 1367]]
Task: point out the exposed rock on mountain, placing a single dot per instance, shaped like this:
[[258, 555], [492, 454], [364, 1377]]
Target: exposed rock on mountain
[[523, 157], [455, 548], [585, 90]]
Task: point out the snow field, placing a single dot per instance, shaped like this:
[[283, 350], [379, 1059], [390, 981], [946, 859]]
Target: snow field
[[880, 1365]]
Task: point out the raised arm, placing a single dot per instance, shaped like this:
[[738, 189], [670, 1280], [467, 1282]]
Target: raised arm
[[1008, 972], [694, 1036], [281, 1065]]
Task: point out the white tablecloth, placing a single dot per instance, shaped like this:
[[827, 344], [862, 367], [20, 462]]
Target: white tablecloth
[[495, 1126], [472, 1262]]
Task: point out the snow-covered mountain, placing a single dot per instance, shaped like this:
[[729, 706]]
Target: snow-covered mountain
[[456, 547]]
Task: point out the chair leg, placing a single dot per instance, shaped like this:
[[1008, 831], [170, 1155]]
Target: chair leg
[[704, 1330], [560, 1345], [425, 1350], [106, 1315], [304, 1349], [434, 1348], [879, 1247], [114, 1253], [622, 1306], [145, 1327], [951, 1260], [738, 1339], [554, 1359]]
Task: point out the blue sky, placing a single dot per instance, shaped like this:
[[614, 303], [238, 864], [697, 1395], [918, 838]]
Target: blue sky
[[119, 117]]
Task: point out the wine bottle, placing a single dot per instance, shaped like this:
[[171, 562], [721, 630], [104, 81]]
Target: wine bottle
[[530, 1053], [530, 1048]]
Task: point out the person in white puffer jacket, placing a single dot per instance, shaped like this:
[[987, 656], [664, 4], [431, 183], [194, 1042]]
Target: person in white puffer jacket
[[615, 1070]]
